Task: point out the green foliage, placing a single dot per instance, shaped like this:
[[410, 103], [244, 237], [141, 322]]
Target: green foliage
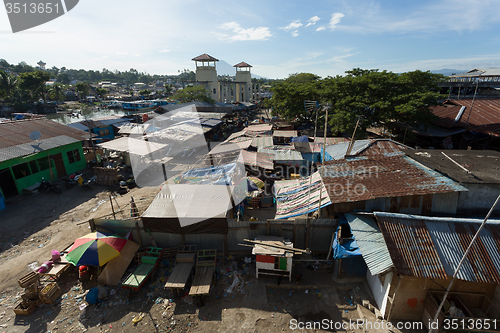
[[144, 92], [8, 84], [289, 95], [55, 93], [190, 94], [34, 84], [380, 98], [101, 92], [82, 88]]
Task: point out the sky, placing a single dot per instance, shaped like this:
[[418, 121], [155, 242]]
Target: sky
[[276, 37]]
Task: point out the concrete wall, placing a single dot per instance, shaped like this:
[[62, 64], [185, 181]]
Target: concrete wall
[[380, 290], [209, 73], [410, 297], [478, 200], [246, 87]]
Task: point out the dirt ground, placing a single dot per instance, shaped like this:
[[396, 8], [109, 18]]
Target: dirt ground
[[33, 226]]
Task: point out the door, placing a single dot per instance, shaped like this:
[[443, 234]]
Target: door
[[7, 183], [58, 161]]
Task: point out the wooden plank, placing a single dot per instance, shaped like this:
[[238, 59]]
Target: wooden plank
[[185, 257], [56, 270], [179, 276], [202, 281], [116, 267]]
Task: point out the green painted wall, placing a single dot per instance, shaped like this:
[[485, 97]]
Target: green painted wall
[[50, 173]]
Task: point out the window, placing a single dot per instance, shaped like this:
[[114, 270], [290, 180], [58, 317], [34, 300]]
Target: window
[[34, 167], [104, 132], [43, 163], [21, 170], [215, 91], [74, 156]]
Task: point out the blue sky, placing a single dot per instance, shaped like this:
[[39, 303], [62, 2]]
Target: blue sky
[[277, 38]]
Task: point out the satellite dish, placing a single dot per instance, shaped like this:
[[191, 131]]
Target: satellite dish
[[35, 135]]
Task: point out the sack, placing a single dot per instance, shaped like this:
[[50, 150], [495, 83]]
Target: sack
[[55, 255]]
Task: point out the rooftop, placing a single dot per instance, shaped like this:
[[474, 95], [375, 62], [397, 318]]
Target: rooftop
[[359, 179], [483, 118], [483, 164], [204, 57]]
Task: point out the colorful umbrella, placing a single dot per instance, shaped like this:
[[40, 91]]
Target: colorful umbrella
[[95, 249], [257, 181]]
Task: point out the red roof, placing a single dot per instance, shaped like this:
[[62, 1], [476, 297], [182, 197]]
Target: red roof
[[204, 57], [484, 118], [242, 64]]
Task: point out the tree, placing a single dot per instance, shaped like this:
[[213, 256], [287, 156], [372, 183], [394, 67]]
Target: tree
[[56, 93], [82, 88], [380, 99], [191, 94], [34, 84], [289, 95], [101, 92], [8, 84], [144, 92]]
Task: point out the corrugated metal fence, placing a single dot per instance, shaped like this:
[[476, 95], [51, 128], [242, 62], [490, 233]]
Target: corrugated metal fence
[[315, 234]]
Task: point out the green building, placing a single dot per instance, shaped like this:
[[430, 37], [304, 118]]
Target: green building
[[36, 148]]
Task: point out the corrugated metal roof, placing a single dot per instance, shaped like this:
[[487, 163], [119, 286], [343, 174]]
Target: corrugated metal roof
[[330, 140], [371, 243], [85, 124], [285, 134], [450, 238], [359, 179], [262, 142], [410, 245], [34, 147], [280, 153], [484, 117], [17, 132], [369, 147], [227, 147]]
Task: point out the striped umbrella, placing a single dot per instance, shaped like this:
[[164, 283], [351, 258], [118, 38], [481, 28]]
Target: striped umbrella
[[257, 181], [96, 249]]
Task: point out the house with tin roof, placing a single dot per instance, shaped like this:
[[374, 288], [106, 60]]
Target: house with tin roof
[[411, 260], [36, 148]]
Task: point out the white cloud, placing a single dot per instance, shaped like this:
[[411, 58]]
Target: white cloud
[[320, 28], [240, 34], [164, 51], [336, 17], [293, 26], [313, 20]]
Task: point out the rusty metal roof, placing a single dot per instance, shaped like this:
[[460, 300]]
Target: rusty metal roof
[[360, 178], [432, 247], [16, 132], [484, 117], [242, 64], [204, 57]]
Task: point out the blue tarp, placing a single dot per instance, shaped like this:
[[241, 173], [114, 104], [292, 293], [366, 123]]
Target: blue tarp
[[225, 174], [302, 138], [349, 248]]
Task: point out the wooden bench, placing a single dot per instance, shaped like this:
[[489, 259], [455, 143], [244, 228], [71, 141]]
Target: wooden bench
[[205, 269], [183, 269]]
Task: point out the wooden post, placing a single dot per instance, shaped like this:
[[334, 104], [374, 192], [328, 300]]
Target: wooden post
[[112, 208], [294, 234], [280, 230], [139, 238], [224, 253], [268, 228], [92, 225], [306, 234]]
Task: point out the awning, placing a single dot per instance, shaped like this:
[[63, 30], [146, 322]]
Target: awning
[[133, 146]]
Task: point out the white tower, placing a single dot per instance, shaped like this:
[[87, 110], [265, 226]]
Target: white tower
[[206, 75], [41, 64]]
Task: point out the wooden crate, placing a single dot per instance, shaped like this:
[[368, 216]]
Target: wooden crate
[[28, 279], [25, 308], [49, 293]]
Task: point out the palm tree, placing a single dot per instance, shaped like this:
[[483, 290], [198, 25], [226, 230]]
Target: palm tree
[[8, 84]]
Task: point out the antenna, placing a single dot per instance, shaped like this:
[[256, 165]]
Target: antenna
[[35, 135]]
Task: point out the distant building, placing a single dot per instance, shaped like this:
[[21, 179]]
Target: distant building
[[41, 64]]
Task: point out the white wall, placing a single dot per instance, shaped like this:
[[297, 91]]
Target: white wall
[[379, 291]]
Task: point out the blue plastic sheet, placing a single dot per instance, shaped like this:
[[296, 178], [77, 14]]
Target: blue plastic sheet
[[348, 249]]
